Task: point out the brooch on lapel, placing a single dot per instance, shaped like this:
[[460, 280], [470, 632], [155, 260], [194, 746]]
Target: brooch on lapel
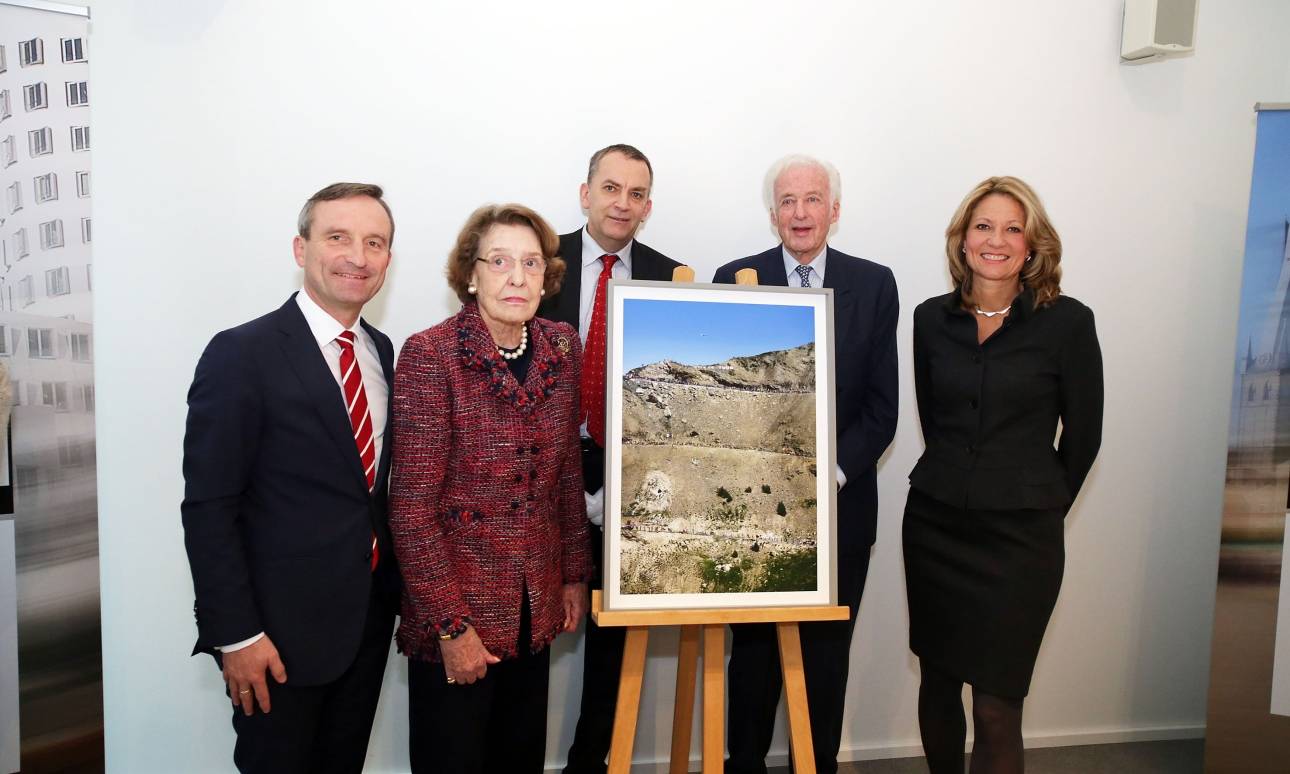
[[562, 344]]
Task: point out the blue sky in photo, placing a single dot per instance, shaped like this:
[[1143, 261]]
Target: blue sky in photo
[[704, 332], [1264, 238]]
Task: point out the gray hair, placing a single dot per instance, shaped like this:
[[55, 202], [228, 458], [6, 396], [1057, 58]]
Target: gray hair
[[335, 191], [800, 160]]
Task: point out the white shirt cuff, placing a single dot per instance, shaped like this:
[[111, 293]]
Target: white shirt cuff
[[842, 477], [596, 507], [242, 644]]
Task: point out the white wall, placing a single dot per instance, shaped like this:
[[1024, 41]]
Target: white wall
[[214, 121]]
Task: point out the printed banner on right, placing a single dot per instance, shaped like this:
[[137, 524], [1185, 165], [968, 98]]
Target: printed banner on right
[[1248, 724]]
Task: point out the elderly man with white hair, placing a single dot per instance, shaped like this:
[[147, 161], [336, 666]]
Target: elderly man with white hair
[[803, 196]]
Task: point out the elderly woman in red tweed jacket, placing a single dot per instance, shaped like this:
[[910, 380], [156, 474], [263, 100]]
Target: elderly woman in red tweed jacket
[[486, 502]]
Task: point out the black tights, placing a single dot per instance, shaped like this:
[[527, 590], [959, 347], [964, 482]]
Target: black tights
[[996, 722]]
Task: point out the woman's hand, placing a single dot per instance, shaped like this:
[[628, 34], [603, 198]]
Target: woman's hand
[[465, 659], [575, 605]]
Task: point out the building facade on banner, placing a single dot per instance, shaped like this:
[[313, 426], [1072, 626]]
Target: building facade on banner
[[47, 346], [1258, 471]]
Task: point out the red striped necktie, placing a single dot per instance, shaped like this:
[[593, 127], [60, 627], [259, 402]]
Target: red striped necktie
[[360, 419], [593, 358]]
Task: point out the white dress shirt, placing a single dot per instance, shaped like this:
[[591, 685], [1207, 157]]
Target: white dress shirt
[[591, 268], [816, 277], [325, 329]]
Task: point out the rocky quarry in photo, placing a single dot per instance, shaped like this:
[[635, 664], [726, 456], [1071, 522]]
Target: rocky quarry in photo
[[719, 475]]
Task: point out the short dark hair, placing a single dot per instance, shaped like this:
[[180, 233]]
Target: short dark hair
[[341, 191], [630, 151], [461, 260]]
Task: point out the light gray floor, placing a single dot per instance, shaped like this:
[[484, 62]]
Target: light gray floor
[[1175, 757]]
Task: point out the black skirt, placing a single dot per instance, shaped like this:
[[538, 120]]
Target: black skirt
[[981, 586]]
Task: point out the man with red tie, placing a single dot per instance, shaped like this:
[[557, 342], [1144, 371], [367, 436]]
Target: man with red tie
[[286, 459], [616, 198]]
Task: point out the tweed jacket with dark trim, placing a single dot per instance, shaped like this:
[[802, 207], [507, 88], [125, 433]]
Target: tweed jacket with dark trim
[[486, 487]]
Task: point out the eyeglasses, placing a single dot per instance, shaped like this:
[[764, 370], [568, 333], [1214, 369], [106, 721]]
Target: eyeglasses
[[505, 264]]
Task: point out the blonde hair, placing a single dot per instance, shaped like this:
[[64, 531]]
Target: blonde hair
[[1042, 273]]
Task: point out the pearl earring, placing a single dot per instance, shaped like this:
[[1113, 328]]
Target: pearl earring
[[542, 292], [471, 289]]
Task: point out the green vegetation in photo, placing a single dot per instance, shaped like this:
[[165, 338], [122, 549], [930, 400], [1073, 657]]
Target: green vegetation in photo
[[791, 571], [723, 577]]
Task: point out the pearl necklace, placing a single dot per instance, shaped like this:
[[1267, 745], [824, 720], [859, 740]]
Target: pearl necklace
[[512, 354], [984, 313]]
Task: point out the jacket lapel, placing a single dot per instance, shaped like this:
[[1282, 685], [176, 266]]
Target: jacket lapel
[[564, 307], [387, 367], [770, 268], [306, 361]]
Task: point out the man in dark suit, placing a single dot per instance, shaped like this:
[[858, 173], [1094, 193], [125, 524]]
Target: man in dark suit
[[616, 198], [286, 458], [803, 197]]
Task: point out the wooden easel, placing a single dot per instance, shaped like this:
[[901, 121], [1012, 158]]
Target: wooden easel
[[712, 623]]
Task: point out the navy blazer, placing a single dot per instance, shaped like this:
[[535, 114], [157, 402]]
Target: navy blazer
[[647, 264], [278, 520], [865, 309]]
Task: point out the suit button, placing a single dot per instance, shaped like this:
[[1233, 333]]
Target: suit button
[[972, 403], [515, 503], [519, 450], [976, 359], [535, 449], [519, 477], [970, 450], [530, 498]]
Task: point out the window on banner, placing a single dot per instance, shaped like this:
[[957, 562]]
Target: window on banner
[[40, 142], [78, 93], [51, 234], [73, 49], [35, 96], [46, 187], [31, 52]]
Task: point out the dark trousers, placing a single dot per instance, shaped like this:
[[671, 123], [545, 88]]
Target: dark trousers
[[496, 725], [602, 662], [755, 679], [321, 728]]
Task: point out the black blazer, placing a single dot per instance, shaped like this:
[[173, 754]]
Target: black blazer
[[277, 517], [989, 411], [647, 264], [865, 309]]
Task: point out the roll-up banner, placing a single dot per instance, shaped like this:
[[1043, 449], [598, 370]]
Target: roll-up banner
[[51, 674], [1248, 725]]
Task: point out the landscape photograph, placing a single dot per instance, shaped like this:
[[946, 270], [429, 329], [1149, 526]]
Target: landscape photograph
[[719, 472]]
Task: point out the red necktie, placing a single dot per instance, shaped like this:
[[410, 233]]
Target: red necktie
[[593, 359], [360, 419]]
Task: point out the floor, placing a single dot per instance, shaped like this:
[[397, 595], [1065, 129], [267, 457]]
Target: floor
[[1173, 757]]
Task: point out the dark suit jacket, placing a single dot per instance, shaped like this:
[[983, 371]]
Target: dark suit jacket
[[647, 264], [865, 308], [487, 495], [278, 520]]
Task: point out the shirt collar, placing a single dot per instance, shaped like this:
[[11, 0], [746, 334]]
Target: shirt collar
[[817, 263], [323, 326], [591, 251]]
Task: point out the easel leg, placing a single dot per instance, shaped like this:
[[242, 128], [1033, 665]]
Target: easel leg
[[714, 698], [629, 700], [799, 721], [687, 663]]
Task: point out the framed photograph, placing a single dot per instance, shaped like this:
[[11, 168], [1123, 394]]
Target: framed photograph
[[719, 472]]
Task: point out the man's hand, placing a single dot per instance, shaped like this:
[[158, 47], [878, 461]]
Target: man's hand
[[244, 674], [575, 604], [465, 659]]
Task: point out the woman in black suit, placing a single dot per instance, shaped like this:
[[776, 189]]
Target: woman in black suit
[[997, 363]]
